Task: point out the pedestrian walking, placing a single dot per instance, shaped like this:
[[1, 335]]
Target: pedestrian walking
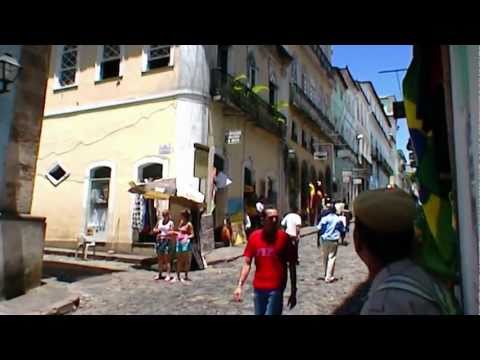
[[384, 240], [340, 210], [163, 245], [273, 254], [330, 230], [326, 209], [185, 234], [292, 223]]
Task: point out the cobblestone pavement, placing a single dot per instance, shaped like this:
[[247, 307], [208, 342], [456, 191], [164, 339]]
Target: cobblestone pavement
[[134, 292]]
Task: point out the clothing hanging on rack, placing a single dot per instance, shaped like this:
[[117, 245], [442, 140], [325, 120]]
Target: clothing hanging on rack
[[138, 213]]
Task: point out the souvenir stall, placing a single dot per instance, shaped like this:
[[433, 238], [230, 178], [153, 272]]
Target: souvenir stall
[[154, 197]]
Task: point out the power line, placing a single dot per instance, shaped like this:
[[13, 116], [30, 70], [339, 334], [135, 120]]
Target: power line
[[396, 71]]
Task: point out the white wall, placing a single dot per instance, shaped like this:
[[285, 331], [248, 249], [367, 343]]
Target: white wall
[[465, 91]]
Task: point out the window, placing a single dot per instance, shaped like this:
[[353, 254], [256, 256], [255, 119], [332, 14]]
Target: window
[[294, 132], [57, 174], [111, 57], [304, 139], [294, 71], [99, 196], [271, 195], [158, 56], [272, 90], [222, 57], [313, 92], [251, 70], [312, 145], [305, 83], [152, 172], [68, 64]]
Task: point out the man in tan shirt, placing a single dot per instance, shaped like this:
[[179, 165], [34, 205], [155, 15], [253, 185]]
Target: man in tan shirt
[[384, 240]]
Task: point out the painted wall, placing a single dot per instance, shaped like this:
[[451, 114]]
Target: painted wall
[[121, 136], [21, 112], [464, 63], [134, 83]]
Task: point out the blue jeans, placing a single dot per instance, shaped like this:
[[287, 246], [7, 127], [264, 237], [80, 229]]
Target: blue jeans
[[268, 302]]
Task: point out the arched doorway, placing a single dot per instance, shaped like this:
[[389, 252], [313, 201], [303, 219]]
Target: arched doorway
[[304, 179], [313, 175], [151, 171], [147, 172], [328, 181], [293, 182]]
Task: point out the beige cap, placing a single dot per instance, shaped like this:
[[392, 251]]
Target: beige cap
[[340, 207], [385, 210]]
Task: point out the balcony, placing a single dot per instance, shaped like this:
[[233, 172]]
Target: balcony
[[322, 58], [236, 94], [302, 102]]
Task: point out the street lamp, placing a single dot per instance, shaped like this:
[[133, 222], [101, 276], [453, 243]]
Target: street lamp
[[9, 71]]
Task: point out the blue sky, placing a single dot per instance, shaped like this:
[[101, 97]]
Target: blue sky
[[366, 61]]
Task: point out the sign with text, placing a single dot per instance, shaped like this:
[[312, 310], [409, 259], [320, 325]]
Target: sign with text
[[233, 137], [165, 149], [320, 155], [357, 181]]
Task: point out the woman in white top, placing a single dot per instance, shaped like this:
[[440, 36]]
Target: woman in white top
[[163, 246]]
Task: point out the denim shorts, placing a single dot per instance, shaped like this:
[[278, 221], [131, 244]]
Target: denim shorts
[[162, 246], [268, 302]]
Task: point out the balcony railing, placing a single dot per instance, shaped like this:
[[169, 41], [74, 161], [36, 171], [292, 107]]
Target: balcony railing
[[301, 101], [234, 92], [317, 49]]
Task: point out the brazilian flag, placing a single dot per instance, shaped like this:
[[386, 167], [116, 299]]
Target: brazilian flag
[[424, 97]]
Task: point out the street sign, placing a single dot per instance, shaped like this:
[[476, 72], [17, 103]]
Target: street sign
[[357, 181], [347, 173], [165, 149], [233, 137], [320, 155]]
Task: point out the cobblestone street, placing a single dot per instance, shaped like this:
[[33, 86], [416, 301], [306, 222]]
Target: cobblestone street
[[134, 292]]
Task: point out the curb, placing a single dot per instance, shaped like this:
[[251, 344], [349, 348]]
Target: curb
[[63, 307]]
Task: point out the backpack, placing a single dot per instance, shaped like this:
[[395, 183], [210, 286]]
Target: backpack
[[439, 296]]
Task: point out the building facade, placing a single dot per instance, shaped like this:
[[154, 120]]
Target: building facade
[[231, 122], [343, 107], [21, 112], [116, 114], [383, 149], [194, 113]]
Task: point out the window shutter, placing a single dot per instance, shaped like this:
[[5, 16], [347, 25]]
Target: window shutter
[[172, 56], [121, 69], [146, 49], [99, 62]]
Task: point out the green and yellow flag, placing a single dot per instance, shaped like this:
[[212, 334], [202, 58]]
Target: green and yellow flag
[[423, 89]]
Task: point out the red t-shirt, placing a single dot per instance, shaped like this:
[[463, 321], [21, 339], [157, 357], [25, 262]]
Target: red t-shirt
[[270, 259]]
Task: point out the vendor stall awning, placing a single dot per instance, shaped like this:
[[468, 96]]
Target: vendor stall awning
[[164, 189]]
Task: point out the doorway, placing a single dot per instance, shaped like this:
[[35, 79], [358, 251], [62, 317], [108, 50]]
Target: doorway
[[99, 194], [147, 173]]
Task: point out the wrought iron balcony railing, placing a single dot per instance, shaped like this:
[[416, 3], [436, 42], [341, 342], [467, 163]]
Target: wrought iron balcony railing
[[317, 49], [319, 116], [234, 92]]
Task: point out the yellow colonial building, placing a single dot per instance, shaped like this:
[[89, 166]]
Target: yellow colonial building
[[230, 122], [116, 114]]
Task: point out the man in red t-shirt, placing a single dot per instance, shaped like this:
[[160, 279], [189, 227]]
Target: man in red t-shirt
[[273, 253]]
